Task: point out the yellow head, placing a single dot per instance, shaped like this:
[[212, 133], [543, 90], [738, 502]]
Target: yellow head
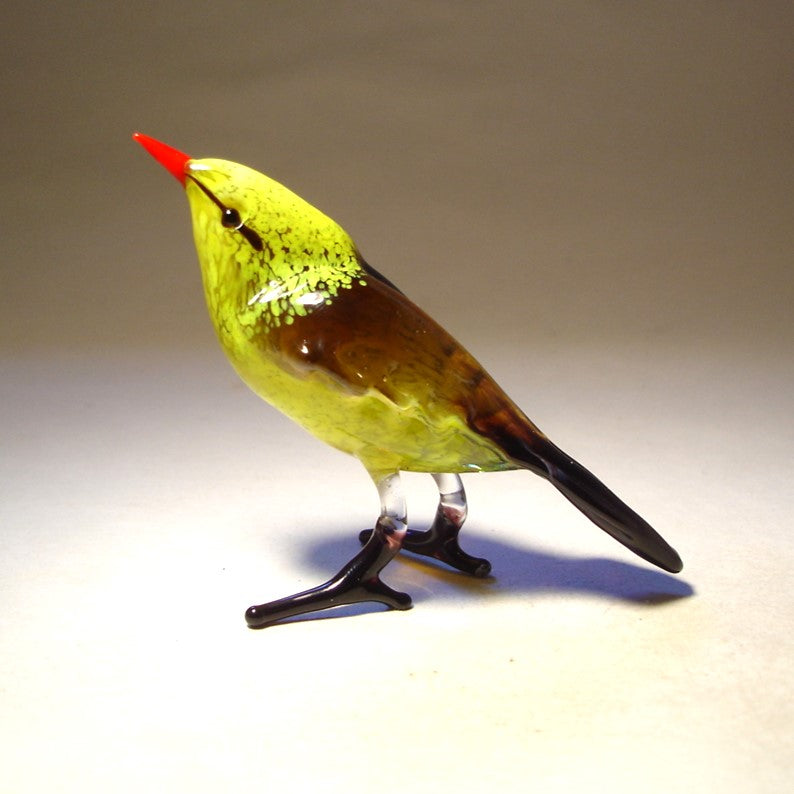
[[267, 256]]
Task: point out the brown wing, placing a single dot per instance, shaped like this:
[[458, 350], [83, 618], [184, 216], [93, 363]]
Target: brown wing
[[374, 337]]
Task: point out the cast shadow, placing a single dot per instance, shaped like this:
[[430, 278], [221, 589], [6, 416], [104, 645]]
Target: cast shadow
[[516, 569]]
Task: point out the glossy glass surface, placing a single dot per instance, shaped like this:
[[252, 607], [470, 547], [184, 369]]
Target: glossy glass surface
[[322, 336]]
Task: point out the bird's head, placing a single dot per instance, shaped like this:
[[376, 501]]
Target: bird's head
[[249, 228]]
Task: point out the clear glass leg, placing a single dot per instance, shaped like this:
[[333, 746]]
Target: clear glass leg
[[440, 541]]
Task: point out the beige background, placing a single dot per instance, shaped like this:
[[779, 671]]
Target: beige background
[[596, 198]]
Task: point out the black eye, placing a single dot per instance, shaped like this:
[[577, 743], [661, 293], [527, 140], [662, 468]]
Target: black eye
[[230, 219]]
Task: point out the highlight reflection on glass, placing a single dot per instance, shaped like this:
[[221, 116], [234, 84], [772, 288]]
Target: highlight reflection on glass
[[322, 336]]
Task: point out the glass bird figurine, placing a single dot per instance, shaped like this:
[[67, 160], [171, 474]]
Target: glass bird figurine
[[318, 333]]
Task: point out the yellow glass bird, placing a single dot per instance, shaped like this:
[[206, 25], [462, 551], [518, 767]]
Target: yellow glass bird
[[322, 336]]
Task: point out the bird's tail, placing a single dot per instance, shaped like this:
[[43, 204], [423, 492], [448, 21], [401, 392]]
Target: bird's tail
[[530, 449], [607, 511]]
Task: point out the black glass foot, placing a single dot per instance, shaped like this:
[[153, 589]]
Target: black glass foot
[[441, 543], [357, 582]]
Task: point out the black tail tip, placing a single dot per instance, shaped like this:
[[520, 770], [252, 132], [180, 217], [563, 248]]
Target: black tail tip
[[609, 513], [663, 556]]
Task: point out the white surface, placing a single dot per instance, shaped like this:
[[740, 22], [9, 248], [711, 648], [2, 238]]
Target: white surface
[[148, 499], [537, 174]]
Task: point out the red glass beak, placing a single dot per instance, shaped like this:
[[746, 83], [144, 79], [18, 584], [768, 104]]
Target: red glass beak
[[171, 159]]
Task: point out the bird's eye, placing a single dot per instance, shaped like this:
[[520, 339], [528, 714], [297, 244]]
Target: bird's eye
[[230, 219]]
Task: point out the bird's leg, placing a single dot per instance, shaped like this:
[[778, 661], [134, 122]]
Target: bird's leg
[[359, 580], [440, 541]]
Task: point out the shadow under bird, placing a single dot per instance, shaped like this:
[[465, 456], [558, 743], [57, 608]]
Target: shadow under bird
[[322, 336]]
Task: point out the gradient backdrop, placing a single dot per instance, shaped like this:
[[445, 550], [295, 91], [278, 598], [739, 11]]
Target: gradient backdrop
[[596, 199]]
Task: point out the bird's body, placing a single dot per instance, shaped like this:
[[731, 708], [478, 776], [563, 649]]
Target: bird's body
[[337, 348], [323, 337]]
